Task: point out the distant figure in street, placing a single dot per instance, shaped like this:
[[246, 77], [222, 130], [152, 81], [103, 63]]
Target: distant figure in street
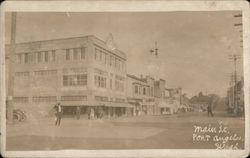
[[92, 114], [58, 108], [209, 110], [78, 112]]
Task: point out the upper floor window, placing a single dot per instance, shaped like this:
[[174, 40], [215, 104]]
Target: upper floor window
[[100, 81], [67, 54], [46, 56], [75, 80], [53, 55], [22, 74], [45, 72], [83, 53], [26, 58], [75, 53], [144, 91], [21, 99], [36, 57], [39, 56], [44, 98]]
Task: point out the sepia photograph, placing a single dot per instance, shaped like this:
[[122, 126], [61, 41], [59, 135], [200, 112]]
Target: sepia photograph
[[125, 80]]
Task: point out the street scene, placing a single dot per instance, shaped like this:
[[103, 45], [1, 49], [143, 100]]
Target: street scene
[[121, 80]]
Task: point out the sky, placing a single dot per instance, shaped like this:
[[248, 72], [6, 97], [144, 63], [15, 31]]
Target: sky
[[194, 47]]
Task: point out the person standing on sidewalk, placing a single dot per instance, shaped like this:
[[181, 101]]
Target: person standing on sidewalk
[[78, 112], [58, 114], [209, 110]]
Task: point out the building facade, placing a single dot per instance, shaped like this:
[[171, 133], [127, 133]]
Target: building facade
[[140, 93], [81, 71]]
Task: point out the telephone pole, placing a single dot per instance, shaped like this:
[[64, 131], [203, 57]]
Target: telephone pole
[[235, 57], [10, 58]]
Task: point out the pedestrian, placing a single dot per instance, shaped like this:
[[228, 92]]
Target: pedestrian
[[92, 114], [209, 110], [78, 112], [58, 114]]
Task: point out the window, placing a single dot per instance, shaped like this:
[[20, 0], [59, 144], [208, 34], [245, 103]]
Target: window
[[120, 100], [144, 91], [75, 53], [107, 59], [53, 54], [83, 53], [19, 58], [111, 60], [26, 58], [100, 81], [136, 89], [73, 98], [101, 98], [39, 57], [45, 72], [103, 59], [96, 54], [67, 54], [22, 74], [31, 57], [44, 99], [152, 91], [116, 62], [20, 99], [75, 80], [110, 83], [46, 56], [119, 83]]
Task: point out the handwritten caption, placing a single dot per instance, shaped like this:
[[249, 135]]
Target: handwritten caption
[[219, 134]]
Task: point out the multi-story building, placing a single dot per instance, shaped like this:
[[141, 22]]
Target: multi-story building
[[80, 71], [140, 93]]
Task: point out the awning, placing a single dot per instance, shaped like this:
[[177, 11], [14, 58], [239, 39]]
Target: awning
[[165, 105], [81, 103], [149, 103], [95, 103], [135, 102], [112, 104]]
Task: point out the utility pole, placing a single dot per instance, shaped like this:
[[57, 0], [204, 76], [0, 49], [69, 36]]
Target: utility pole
[[235, 57], [10, 58], [239, 25]]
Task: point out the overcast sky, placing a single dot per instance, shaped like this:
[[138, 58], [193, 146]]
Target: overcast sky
[[193, 46]]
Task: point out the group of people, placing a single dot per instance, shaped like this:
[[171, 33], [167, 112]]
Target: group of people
[[93, 113]]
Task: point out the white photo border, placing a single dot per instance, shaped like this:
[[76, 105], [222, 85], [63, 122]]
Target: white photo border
[[128, 6]]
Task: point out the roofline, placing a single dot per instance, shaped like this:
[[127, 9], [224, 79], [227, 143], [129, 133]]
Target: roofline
[[137, 78], [57, 39]]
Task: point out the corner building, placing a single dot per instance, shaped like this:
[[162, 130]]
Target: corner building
[[80, 71]]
